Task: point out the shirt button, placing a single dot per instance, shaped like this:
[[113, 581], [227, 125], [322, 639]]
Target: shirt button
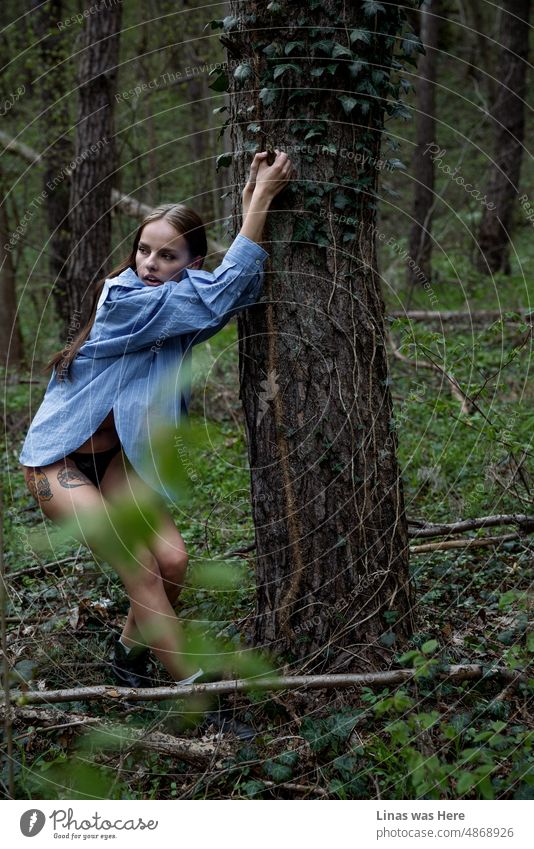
[[257, 262]]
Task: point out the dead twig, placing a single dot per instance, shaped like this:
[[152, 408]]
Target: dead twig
[[475, 542], [428, 529], [105, 693], [190, 750]]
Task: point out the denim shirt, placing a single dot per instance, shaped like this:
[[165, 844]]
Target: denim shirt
[[137, 358]]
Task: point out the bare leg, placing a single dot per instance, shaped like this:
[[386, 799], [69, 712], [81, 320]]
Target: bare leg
[[63, 491], [168, 548]]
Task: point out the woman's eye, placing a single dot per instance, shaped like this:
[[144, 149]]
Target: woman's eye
[[167, 256], [141, 250]]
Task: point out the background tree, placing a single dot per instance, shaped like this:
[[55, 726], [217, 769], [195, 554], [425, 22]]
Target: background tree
[[331, 538], [509, 121], [420, 240], [55, 84], [92, 177]]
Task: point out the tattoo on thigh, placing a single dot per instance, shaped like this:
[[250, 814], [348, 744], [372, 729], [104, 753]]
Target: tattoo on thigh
[[70, 478], [39, 485]]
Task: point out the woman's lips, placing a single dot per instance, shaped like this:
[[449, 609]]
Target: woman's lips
[[150, 279]]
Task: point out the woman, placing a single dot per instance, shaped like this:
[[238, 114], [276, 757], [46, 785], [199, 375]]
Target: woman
[[87, 440]]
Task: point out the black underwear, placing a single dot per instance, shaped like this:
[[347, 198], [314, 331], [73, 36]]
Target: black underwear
[[94, 465]]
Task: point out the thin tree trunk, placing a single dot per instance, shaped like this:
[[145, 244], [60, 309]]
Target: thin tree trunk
[[54, 121], [92, 178], [332, 549], [11, 353], [509, 117], [425, 133]]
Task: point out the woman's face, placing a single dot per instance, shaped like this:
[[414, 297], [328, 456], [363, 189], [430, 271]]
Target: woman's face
[[162, 254]]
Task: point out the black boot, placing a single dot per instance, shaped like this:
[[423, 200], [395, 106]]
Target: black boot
[[133, 668]]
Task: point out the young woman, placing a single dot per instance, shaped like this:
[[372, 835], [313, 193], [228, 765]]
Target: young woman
[[86, 443]]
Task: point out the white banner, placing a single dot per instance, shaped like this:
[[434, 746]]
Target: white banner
[[241, 824]]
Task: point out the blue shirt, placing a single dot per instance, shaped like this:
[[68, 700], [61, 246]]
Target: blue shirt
[[137, 358]]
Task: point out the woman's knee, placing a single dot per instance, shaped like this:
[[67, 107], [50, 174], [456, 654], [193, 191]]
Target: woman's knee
[[143, 577], [173, 563]]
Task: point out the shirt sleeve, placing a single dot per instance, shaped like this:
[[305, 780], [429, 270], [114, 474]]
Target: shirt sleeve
[[200, 303]]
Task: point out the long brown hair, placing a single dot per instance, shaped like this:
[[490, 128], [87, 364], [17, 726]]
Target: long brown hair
[[186, 222]]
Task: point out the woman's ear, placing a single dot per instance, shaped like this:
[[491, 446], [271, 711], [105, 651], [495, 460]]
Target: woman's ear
[[197, 263]]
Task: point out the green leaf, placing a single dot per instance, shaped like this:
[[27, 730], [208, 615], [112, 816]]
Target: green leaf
[[220, 82], [268, 96], [348, 103], [281, 69], [429, 647], [371, 7], [291, 45], [360, 35], [230, 23], [243, 72], [412, 44], [341, 50]]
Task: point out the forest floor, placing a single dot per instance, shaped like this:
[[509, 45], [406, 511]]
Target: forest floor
[[427, 738]]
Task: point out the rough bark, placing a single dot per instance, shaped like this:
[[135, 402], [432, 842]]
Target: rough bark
[[92, 178], [420, 240], [509, 120], [331, 535]]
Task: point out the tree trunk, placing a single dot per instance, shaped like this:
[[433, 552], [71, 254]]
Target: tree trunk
[[333, 589], [92, 178], [54, 121], [425, 133], [10, 337], [195, 55], [509, 117]]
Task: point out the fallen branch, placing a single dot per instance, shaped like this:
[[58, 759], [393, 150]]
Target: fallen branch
[[475, 542], [428, 529], [107, 693], [454, 316], [193, 751]]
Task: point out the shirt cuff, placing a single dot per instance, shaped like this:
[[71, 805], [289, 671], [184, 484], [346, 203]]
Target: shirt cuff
[[246, 253]]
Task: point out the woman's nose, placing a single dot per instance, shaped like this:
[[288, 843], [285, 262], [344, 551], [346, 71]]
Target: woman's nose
[[152, 261]]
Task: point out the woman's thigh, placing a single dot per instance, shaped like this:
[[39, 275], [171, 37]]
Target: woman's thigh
[[61, 489], [168, 545]]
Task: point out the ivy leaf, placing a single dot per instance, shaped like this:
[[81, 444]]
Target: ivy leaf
[[341, 200], [348, 103], [243, 72], [254, 128], [412, 44], [399, 110], [324, 46], [317, 72], [281, 69], [268, 96], [356, 67], [230, 23], [311, 134], [291, 45], [360, 35], [219, 109], [223, 161], [340, 50], [395, 164], [220, 82], [371, 7]]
